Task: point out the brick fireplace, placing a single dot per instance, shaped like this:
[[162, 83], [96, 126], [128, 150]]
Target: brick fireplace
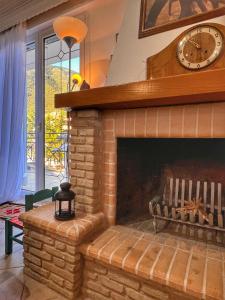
[[119, 261], [175, 263], [94, 137]]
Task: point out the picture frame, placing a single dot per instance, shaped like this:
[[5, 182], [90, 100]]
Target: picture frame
[[158, 16]]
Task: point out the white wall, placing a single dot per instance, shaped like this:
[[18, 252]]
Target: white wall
[[129, 60], [104, 19]]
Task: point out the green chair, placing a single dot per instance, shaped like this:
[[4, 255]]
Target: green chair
[[30, 201]]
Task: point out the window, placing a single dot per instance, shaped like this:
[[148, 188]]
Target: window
[[47, 74]]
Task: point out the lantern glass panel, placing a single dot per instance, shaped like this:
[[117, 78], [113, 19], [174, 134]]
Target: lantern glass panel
[[65, 203]]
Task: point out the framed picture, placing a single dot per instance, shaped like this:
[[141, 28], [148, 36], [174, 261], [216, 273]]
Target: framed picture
[[162, 15]]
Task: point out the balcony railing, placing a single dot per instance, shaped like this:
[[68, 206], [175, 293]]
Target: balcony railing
[[55, 149]]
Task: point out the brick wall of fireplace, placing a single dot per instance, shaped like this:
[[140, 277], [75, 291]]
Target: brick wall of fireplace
[[93, 144]]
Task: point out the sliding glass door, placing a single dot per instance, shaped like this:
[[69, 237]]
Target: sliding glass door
[[29, 176], [47, 138], [56, 67]]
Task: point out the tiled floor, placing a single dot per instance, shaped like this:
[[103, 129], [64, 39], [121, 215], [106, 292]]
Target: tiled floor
[[13, 284]]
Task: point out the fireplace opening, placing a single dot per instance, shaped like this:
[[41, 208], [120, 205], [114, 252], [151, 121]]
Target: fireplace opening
[[144, 166]]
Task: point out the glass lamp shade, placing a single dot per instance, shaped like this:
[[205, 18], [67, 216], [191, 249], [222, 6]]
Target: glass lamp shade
[[66, 26]]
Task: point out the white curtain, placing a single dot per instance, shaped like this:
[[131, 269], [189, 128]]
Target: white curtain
[[12, 111]]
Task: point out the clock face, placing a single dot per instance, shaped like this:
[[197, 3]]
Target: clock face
[[200, 47]]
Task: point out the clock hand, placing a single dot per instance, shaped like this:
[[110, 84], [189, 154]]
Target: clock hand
[[194, 44]]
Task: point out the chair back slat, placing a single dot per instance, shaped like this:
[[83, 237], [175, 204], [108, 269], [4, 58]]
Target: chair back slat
[[31, 199], [42, 195], [15, 222]]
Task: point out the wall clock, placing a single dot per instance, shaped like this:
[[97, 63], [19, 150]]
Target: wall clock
[[200, 47], [197, 49]]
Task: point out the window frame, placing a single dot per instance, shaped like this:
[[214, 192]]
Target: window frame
[[38, 38]]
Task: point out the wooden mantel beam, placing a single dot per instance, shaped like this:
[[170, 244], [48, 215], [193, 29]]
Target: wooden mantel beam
[[197, 87]]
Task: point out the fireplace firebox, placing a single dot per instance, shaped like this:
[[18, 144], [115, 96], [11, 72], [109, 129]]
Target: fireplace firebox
[[175, 169]]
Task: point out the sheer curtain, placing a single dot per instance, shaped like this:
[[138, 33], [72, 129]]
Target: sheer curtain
[[12, 112]]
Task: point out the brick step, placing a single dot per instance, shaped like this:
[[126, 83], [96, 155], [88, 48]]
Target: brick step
[[193, 269]]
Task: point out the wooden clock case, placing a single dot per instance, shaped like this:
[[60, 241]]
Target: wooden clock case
[[165, 63]]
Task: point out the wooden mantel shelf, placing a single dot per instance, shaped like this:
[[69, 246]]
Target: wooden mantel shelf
[[197, 87]]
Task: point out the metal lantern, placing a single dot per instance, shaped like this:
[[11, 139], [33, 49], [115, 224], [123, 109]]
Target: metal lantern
[[64, 203]]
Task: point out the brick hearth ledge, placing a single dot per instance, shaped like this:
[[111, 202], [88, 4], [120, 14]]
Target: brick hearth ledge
[[51, 253], [121, 263], [152, 266]]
